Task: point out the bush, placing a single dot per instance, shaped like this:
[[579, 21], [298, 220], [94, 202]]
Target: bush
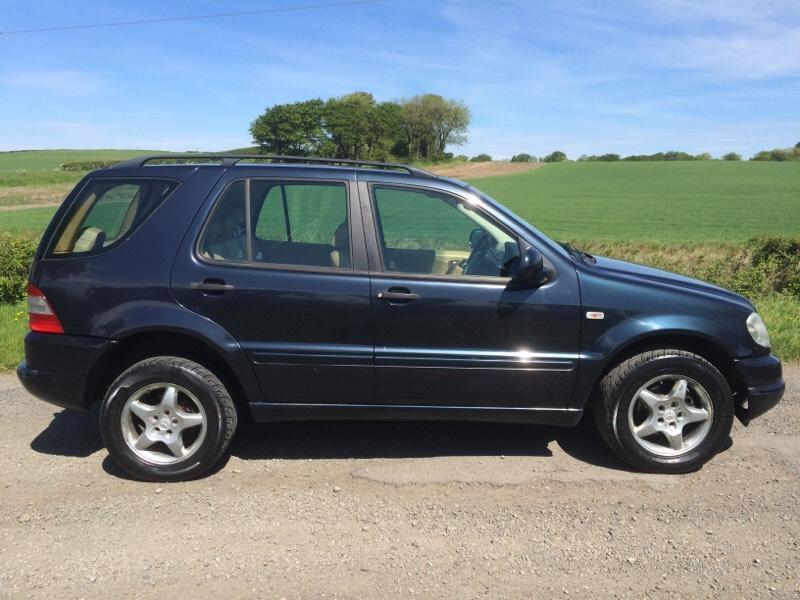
[[557, 156], [602, 158], [732, 156], [481, 158], [15, 262], [778, 154], [764, 265], [523, 158], [87, 165]]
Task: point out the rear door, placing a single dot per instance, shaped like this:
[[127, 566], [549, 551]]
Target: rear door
[[450, 328], [280, 263]]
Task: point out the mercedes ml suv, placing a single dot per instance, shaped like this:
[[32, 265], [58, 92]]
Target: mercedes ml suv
[[185, 292]]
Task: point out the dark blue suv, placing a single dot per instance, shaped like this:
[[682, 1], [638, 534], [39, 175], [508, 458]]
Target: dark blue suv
[[185, 292]]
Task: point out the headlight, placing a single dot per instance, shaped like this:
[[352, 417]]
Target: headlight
[[758, 331]]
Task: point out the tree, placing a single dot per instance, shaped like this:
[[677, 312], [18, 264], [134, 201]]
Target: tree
[[347, 121], [354, 126], [294, 128], [523, 158], [557, 156], [431, 123], [481, 158], [732, 156]]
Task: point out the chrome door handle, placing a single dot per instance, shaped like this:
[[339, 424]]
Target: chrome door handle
[[393, 296], [211, 286]]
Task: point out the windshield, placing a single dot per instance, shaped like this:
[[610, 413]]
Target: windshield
[[555, 246]]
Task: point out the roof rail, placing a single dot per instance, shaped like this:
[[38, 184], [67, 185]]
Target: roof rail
[[230, 160]]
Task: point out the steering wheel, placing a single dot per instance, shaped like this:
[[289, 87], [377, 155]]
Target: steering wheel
[[479, 249]]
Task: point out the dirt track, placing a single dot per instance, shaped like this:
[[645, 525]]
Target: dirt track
[[360, 510], [470, 170]]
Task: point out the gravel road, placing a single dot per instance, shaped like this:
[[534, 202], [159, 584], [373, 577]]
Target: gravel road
[[367, 510]]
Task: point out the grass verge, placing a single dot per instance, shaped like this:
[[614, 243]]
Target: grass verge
[[13, 327]]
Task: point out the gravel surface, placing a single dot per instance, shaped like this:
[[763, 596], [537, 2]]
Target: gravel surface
[[366, 510]]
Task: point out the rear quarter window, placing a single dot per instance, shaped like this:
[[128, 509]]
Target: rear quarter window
[[106, 212]]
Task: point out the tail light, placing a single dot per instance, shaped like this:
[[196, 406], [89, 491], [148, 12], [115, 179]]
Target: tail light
[[41, 317]]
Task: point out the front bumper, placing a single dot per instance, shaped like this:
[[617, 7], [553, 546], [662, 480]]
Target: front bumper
[[763, 386], [56, 367]]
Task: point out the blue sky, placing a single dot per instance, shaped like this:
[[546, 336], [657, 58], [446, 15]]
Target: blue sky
[[583, 77]]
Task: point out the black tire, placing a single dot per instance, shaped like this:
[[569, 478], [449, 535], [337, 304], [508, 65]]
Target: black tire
[[208, 391], [619, 387]]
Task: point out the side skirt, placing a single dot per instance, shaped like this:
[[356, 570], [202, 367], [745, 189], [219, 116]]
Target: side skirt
[[270, 411]]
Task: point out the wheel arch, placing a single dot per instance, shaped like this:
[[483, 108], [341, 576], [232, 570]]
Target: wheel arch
[[710, 349], [139, 345]]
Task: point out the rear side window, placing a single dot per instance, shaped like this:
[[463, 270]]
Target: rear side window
[[106, 212], [289, 223]]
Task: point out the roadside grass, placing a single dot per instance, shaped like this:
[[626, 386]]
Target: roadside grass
[[781, 314], [13, 326]]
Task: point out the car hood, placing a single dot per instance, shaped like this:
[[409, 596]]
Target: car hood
[[645, 274]]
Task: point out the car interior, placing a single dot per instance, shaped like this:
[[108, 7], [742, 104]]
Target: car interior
[[306, 224]]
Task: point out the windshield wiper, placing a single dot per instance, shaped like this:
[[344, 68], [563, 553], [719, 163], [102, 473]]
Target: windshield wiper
[[578, 254]]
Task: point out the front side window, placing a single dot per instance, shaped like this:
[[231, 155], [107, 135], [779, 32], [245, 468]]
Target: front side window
[[106, 211], [290, 223], [430, 233]]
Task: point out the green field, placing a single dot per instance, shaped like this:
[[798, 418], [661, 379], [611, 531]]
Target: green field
[[41, 167], [672, 202]]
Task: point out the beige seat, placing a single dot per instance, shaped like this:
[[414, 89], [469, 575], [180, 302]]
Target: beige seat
[[340, 255], [87, 240]]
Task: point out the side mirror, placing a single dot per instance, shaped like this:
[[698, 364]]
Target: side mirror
[[530, 269]]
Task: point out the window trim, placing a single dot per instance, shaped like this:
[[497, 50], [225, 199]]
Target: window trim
[[55, 232], [269, 266], [378, 228]]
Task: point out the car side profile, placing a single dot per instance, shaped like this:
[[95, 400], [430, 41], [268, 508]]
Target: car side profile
[[186, 292]]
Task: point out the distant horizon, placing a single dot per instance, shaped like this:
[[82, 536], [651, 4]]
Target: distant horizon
[[627, 77], [398, 159]]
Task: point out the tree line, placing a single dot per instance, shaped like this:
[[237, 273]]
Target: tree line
[[355, 126], [777, 154]]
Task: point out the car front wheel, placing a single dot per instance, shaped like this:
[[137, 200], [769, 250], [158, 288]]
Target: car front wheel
[[167, 419], [665, 411]]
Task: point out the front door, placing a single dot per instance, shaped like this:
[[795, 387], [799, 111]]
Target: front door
[[280, 264], [450, 329]]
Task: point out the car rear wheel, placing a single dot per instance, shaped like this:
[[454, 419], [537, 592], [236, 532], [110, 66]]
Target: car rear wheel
[[665, 411], [167, 419]]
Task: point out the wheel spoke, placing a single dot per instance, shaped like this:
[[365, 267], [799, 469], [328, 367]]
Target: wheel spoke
[[175, 446], [674, 437], [678, 391], [647, 428], [170, 398], [695, 415], [142, 410], [144, 441], [188, 420], [650, 399]]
